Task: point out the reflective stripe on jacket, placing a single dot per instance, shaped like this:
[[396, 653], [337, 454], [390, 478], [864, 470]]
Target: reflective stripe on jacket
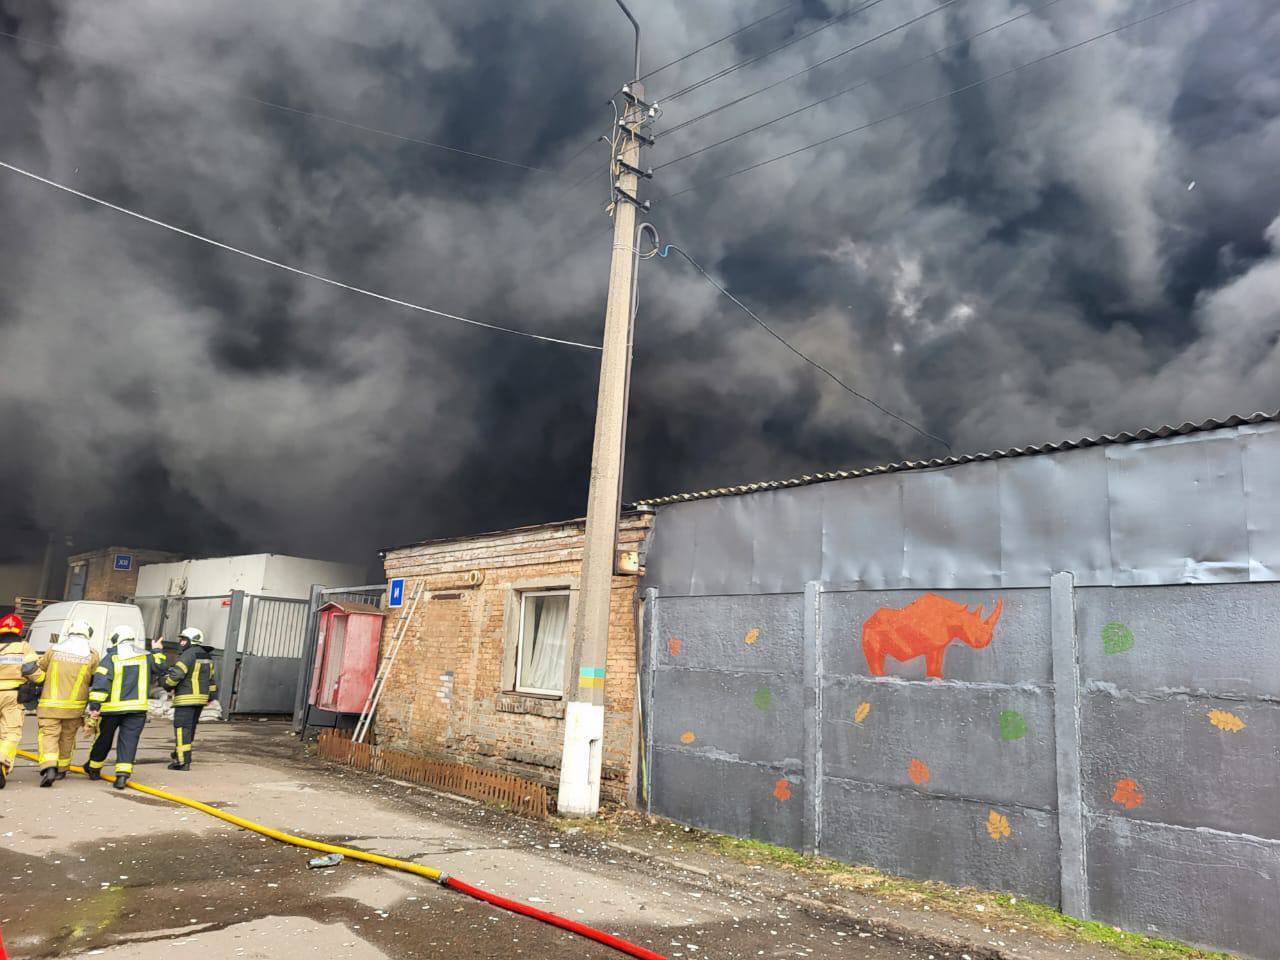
[[66, 683], [123, 686], [18, 663]]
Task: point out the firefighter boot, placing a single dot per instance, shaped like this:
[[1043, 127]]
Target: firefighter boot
[[47, 777], [184, 765], [121, 781]]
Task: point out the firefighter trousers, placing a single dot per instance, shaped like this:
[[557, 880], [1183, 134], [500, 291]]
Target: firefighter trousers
[[11, 716], [184, 731], [130, 727], [58, 741]]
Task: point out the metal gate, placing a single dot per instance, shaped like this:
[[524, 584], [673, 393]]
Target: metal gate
[[265, 670]]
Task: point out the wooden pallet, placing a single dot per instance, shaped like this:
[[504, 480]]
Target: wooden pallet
[[28, 608], [504, 790]]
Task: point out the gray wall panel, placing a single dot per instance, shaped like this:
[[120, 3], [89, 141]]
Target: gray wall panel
[[1053, 517], [722, 547], [1219, 639], [1194, 885], [713, 633], [952, 536], [786, 531], [1189, 771], [954, 729], [736, 798], [862, 532], [738, 716], [931, 838], [669, 564], [1261, 457], [1177, 511], [1019, 652]]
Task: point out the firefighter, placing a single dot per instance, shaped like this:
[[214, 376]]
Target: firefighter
[[192, 681], [18, 664], [68, 672], [118, 702]]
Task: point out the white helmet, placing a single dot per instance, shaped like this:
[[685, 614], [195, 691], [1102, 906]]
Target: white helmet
[[80, 628], [123, 634], [192, 635]]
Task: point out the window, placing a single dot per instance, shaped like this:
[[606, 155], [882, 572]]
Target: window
[[544, 638]]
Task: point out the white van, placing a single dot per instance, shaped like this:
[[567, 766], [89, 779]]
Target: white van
[[104, 617]]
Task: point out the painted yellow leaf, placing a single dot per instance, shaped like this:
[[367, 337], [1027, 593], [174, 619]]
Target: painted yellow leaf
[[752, 635], [861, 713], [1227, 721], [688, 737], [998, 825]]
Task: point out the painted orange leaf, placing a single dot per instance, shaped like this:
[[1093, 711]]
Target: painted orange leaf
[[782, 790], [674, 645], [861, 713], [1127, 794], [1227, 721], [998, 825], [752, 635], [688, 737], [918, 772]]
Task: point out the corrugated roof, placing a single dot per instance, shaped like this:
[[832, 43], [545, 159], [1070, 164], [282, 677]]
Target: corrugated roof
[[1104, 440]]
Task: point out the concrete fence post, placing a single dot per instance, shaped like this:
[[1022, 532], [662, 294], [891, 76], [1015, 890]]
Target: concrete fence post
[[812, 825], [1066, 722], [650, 676]]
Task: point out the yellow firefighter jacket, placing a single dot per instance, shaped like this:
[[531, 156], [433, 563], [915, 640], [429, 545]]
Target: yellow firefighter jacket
[[67, 677], [18, 663]]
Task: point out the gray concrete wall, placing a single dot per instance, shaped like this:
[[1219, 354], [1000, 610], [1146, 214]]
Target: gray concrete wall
[[1149, 716]]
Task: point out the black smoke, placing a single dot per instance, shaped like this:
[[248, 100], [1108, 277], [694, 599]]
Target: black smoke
[[1092, 244]]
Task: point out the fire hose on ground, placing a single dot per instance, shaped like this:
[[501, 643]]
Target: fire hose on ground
[[430, 873]]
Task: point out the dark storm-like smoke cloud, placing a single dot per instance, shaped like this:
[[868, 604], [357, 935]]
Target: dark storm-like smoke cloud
[[1024, 262]]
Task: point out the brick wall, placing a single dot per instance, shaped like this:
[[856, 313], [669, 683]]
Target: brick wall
[[104, 582], [451, 693]]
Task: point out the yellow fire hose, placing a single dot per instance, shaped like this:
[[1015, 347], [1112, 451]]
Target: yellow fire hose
[[431, 873]]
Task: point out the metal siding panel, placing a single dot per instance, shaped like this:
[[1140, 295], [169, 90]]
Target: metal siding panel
[[862, 532], [1053, 517], [952, 535], [1260, 451], [1177, 510], [669, 565], [722, 547], [786, 549]]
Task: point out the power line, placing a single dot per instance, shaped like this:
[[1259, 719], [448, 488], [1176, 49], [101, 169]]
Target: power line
[[733, 67], [800, 73], [286, 267], [727, 36], [932, 100], [860, 84], [314, 115], [782, 340]]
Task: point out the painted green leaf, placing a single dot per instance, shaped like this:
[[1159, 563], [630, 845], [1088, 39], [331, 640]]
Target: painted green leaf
[[763, 698], [1013, 725], [1116, 638]]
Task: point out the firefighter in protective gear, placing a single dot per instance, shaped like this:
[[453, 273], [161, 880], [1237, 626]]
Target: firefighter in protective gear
[[18, 664], [119, 696], [192, 681], [68, 672]]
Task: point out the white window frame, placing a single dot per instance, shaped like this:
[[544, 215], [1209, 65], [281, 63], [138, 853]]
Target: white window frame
[[523, 594]]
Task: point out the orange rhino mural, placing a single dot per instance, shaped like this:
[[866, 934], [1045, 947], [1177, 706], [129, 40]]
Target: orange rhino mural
[[924, 628]]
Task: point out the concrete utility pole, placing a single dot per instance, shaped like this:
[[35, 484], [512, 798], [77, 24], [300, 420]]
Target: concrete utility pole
[[579, 793]]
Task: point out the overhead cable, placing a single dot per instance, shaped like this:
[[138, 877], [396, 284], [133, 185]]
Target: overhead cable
[[314, 115], [857, 86], [800, 73], [803, 356], [734, 67], [293, 270], [932, 100], [720, 40]]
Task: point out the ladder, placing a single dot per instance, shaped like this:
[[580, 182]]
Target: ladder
[[384, 671]]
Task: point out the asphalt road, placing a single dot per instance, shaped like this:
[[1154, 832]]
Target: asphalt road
[[88, 871]]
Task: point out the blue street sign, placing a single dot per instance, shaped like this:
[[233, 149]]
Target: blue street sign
[[395, 592], [124, 561]]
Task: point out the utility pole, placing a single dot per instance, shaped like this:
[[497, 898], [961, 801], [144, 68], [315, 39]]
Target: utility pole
[[579, 793]]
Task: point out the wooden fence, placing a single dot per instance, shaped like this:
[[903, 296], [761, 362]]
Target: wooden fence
[[500, 789]]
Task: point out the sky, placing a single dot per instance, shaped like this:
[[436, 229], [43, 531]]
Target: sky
[[1088, 244]]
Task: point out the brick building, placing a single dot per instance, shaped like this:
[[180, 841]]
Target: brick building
[[109, 573], [481, 676]]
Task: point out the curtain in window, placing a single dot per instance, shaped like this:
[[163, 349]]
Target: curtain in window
[[546, 621]]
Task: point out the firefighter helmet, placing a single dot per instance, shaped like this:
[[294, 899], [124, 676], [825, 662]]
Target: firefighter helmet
[[192, 635], [123, 635], [11, 623], [80, 628]]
